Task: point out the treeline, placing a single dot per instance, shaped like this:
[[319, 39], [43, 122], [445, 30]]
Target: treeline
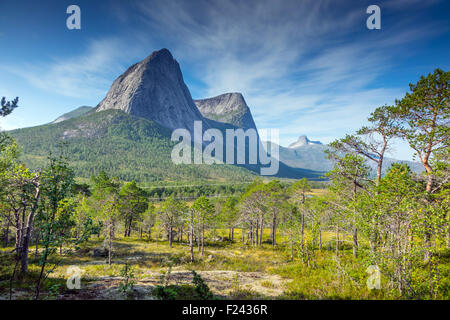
[[187, 192], [160, 193]]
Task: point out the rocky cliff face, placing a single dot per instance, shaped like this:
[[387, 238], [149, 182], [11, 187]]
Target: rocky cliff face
[[228, 108], [154, 89]]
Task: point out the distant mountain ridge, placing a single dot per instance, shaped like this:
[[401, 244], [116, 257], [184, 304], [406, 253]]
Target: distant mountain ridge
[[303, 141], [311, 155], [73, 114]]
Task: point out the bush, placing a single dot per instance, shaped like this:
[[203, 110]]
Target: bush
[[201, 288]]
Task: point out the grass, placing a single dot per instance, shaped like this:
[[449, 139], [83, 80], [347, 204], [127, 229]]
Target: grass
[[324, 277]]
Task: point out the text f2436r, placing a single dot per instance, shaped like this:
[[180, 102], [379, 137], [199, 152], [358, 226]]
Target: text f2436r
[[247, 309]]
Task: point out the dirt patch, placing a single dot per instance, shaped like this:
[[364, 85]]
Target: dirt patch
[[221, 283]]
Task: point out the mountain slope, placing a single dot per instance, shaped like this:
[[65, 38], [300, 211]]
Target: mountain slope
[[123, 145], [303, 141], [154, 89], [73, 114], [228, 108], [312, 156]]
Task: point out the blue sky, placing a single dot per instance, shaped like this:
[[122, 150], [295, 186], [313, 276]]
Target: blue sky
[[305, 67]]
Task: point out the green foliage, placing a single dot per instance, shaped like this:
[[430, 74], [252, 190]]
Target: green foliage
[[6, 107], [423, 113], [125, 146], [201, 288], [198, 291], [204, 210], [299, 189], [229, 212], [193, 191], [399, 222], [132, 205], [127, 284]]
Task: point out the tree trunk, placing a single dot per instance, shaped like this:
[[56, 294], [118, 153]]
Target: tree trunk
[[203, 238], [292, 247], [337, 240], [380, 162], [38, 283], [129, 227], [262, 231], [170, 236], [6, 236], [109, 244], [256, 238], [430, 175], [320, 239], [191, 239], [18, 244], [24, 255], [355, 242], [37, 244], [26, 240], [302, 244], [198, 239], [274, 230]]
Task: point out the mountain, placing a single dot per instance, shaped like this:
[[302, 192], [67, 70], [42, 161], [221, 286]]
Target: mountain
[[73, 114], [126, 146], [307, 156], [228, 108], [311, 155], [154, 89], [303, 141], [128, 133]]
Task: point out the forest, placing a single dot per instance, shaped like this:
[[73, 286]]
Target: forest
[[355, 236]]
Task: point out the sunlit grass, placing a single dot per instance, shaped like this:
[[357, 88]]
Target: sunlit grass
[[319, 277]]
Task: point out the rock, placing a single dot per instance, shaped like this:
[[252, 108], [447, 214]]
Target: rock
[[100, 252], [219, 239], [228, 108], [154, 89]]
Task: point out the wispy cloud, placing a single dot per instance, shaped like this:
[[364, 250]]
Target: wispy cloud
[[84, 75], [305, 66]]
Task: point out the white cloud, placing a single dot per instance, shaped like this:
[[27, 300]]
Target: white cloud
[[85, 75], [302, 66]]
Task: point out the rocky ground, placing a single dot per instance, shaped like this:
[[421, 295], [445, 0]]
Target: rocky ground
[[222, 283]]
